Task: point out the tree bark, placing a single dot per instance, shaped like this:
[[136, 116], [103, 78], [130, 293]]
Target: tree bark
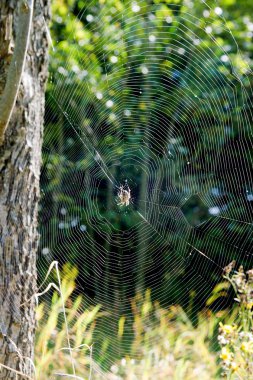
[[20, 160]]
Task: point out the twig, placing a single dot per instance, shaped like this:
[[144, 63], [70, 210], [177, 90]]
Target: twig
[[67, 375], [22, 358], [9, 96], [54, 264], [15, 371], [90, 374], [65, 319]]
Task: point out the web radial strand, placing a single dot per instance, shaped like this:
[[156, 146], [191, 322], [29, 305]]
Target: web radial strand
[[163, 109]]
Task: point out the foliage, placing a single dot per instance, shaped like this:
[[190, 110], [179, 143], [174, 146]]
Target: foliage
[[92, 47], [104, 58], [165, 343], [236, 340], [52, 353]]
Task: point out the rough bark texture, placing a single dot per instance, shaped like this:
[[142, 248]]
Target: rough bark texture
[[20, 160]]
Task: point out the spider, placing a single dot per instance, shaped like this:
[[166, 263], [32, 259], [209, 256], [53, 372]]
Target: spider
[[124, 196]]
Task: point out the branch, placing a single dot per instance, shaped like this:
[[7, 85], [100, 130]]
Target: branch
[[9, 96]]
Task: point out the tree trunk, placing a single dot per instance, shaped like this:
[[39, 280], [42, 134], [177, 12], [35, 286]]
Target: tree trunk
[[20, 160]]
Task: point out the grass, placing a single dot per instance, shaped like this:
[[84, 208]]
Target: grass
[[165, 344]]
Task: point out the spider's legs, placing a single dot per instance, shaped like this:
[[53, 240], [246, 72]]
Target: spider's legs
[[120, 191]]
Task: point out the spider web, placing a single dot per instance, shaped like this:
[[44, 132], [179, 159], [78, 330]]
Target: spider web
[[173, 124]]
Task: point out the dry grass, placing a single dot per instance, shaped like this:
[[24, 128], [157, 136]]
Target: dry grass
[[165, 345]]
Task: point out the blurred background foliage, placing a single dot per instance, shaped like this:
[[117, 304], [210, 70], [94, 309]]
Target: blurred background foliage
[[93, 45], [165, 344]]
